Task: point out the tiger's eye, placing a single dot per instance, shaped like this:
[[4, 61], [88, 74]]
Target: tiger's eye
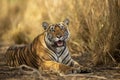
[[52, 30]]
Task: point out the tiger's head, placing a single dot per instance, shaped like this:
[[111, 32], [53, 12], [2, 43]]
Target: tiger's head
[[56, 34]]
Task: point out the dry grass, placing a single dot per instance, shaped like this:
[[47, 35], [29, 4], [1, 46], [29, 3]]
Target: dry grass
[[94, 24]]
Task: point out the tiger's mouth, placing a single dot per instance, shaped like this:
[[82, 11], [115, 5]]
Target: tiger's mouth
[[59, 43]]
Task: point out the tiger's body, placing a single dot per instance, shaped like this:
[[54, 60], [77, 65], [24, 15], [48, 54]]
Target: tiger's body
[[48, 51]]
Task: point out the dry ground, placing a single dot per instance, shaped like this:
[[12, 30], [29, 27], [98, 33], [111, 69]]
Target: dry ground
[[94, 27], [27, 73]]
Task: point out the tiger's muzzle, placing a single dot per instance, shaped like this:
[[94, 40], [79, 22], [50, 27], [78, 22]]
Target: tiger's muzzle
[[59, 41]]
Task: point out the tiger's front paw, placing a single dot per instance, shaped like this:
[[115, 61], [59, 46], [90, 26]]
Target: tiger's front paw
[[76, 65], [84, 70]]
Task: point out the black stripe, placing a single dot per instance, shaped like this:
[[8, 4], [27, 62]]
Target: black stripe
[[23, 56], [18, 58], [68, 61], [33, 59], [32, 53], [28, 57], [62, 52], [52, 56], [13, 58], [36, 65], [65, 57]]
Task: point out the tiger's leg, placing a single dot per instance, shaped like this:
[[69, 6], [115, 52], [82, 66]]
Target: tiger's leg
[[57, 67], [81, 68]]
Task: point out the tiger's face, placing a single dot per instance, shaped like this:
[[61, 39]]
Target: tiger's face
[[57, 34]]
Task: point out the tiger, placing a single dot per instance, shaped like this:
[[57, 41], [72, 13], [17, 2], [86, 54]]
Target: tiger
[[47, 52]]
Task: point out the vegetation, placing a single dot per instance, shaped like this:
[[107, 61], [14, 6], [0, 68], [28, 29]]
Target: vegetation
[[94, 28]]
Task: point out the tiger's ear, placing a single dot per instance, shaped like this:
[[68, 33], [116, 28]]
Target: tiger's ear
[[45, 25], [66, 21]]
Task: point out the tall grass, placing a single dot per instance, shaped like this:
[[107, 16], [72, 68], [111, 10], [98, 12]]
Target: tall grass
[[110, 38], [93, 28]]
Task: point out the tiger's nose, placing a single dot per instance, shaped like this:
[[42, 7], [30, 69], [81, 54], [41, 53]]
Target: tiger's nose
[[59, 36]]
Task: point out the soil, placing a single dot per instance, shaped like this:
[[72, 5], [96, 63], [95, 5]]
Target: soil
[[27, 73]]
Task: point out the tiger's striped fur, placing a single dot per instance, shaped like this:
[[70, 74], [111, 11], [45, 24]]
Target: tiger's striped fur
[[48, 51]]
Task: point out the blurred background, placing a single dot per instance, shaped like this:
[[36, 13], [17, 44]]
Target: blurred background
[[94, 25]]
